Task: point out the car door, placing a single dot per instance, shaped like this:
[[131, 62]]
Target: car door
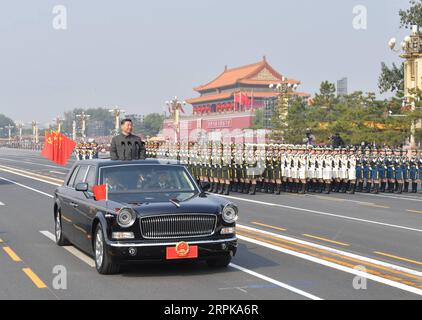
[[86, 210], [75, 208], [65, 206]]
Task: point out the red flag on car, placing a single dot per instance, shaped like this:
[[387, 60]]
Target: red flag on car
[[100, 192]]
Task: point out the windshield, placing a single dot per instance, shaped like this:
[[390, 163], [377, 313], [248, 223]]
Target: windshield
[[149, 182]]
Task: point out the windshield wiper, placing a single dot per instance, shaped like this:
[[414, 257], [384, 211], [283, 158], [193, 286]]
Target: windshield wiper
[[176, 202]]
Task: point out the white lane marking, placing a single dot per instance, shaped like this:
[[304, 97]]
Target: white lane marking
[[85, 258], [322, 213], [30, 162], [31, 177], [57, 172], [335, 266], [77, 253], [392, 197], [336, 251], [277, 283], [89, 261], [26, 187], [1, 203]]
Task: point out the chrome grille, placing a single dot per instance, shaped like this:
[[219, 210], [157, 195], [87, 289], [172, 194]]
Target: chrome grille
[[178, 226]]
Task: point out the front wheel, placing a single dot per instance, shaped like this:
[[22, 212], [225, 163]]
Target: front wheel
[[103, 261], [220, 262]]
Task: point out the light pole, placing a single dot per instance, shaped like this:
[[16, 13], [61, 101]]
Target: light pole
[[59, 122], [19, 125], [9, 128], [175, 106], [411, 51], [34, 125], [83, 117], [116, 112], [284, 89]]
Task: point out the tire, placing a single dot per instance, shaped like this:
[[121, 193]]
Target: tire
[[103, 261], [220, 262], [58, 231]]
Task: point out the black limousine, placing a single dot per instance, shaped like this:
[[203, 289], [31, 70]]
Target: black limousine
[[154, 211]]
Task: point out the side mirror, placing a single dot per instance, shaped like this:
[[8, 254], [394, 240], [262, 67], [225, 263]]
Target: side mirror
[[82, 186], [205, 185]]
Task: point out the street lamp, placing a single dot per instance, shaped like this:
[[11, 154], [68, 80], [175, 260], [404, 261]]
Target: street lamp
[[34, 131], [59, 122], [175, 106], [411, 51], [9, 128], [19, 125], [116, 112], [83, 117]]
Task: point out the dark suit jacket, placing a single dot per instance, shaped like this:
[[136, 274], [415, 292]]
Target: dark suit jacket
[[129, 147]]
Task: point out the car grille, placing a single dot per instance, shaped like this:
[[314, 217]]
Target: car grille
[[178, 226]]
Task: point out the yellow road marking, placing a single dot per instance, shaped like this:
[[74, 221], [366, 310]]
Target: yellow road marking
[[268, 226], [325, 239], [259, 236], [1, 240], [331, 199], [398, 258], [12, 254], [66, 219], [371, 271], [375, 205], [414, 211], [34, 278]]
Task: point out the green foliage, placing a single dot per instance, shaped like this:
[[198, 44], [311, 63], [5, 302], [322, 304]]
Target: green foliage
[[326, 96], [151, 125], [258, 121], [412, 15], [357, 117], [5, 121], [391, 79]]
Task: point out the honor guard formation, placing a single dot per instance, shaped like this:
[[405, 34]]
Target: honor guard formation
[[275, 168], [86, 150]]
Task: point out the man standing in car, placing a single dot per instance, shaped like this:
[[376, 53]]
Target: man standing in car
[[127, 146]]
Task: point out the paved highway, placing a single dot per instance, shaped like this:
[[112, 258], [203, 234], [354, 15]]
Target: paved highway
[[290, 247]]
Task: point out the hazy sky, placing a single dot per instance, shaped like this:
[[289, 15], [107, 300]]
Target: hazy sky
[[137, 54]]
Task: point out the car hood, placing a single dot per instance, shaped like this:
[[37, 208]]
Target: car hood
[[196, 204]]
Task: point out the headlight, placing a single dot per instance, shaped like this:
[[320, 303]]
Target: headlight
[[126, 218], [230, 213]]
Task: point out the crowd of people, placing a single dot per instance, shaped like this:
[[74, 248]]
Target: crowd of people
[[276, 168]]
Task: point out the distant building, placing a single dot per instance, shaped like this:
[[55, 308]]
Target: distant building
[[342, 87], [135, 117], [228, 102]]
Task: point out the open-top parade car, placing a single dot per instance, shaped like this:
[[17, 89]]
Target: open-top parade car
[[153, 211]]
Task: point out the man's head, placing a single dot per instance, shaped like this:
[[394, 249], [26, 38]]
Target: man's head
[[126, 126]]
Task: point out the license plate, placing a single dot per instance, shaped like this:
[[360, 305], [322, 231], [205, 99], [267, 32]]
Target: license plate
[[173, 253]]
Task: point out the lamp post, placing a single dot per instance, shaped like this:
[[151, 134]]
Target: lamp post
[[175, 106], [411, 51], [284, 89], [34, 125], [83, 117], [116, 112], [59, 122], [9, 128], [19, 125]]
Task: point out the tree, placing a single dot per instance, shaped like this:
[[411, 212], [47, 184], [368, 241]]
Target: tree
[[151, 124], [391, 79], [326, 96], [258, 121], [4, 122], [411, 16]]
